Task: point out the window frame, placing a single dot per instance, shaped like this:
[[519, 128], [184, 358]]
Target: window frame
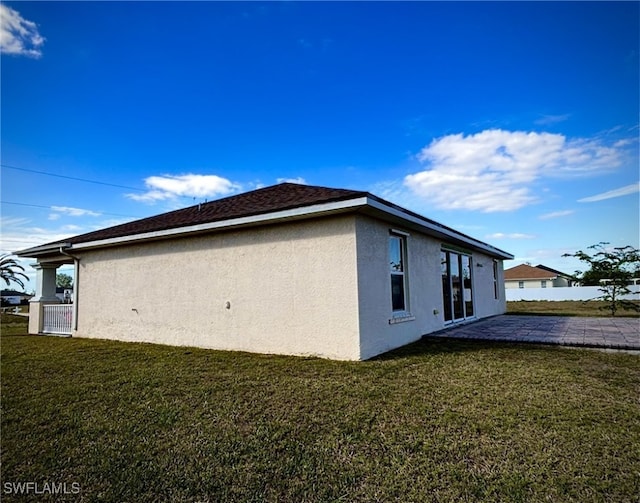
[[401, 238], [453, 260]]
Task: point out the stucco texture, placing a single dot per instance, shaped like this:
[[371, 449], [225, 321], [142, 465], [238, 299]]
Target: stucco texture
[[286, 289], [379, 330], [318, 287]]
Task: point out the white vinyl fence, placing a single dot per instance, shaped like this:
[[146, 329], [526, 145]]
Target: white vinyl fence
[[57, 319], [563, 293]]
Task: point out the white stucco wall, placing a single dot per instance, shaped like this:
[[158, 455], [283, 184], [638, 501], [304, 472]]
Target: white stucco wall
[[379, 331], [291, 289], [485, 301], [377, 334], [319, 287]]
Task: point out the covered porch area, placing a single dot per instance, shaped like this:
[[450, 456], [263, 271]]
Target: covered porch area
[[49, 314]]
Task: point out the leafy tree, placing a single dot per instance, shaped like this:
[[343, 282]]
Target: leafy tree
[[64, 280], [611, 270], [12, 271]]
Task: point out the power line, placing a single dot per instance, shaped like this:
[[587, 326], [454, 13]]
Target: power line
[[72, 178], [53, 208], [85, 180]]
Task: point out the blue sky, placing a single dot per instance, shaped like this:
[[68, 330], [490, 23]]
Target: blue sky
[[514, 122]]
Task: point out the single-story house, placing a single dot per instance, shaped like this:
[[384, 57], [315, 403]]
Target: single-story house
[[540, 276], [13, 297], [286, 269]]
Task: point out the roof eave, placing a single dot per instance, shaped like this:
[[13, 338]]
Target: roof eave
[[379, 207], [322, 209], [45, 250], [435, 229]]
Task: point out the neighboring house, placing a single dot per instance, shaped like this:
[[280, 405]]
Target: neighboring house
[[13, 297], [540, 276], [287, 269], [64, 294]]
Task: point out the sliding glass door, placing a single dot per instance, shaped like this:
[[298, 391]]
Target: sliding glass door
[[457, 291], [467, 293]]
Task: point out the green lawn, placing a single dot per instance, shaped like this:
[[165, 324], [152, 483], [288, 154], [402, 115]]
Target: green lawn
[[565, 308], [436, 421]]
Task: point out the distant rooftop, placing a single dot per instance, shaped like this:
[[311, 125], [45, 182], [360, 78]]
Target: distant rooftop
[[525, 271]]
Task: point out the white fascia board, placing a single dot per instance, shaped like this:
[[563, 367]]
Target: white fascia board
[[42, 250], [434, 228], [293, 213], [284, 215]]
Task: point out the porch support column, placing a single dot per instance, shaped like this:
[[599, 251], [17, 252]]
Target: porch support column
[[45, 294]]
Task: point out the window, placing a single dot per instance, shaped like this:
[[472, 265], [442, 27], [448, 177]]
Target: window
[[467, 291], [397, 269], [520, 284], [495, 280], [543, 283]]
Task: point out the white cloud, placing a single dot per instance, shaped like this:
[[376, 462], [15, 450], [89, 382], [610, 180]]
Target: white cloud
[[546, 120], [6, 222], [623, 143], [299, 180], [493, 170], [556, 214], [166, 187], [622, 191], [15, 239], [513, 235], [20, 233], [71, 228], [72, 212], [18, 36]]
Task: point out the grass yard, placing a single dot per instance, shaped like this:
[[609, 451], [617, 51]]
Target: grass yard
[[436, 421], [565, 308]]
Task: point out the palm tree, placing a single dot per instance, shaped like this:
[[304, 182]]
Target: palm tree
[[11, 271]]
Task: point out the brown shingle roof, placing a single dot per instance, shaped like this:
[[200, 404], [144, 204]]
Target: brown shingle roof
[[524, 271], [268, 199], [286, 197], [559, 273]]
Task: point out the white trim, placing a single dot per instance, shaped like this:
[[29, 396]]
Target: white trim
[[235, 222], [404, 317], [438, 228], [42, 249], [404, 274], [423, 224]]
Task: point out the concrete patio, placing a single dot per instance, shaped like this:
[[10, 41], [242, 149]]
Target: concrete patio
[[611, 333]]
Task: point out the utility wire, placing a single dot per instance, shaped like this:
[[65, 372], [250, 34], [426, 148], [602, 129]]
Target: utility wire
[[6, 166]]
